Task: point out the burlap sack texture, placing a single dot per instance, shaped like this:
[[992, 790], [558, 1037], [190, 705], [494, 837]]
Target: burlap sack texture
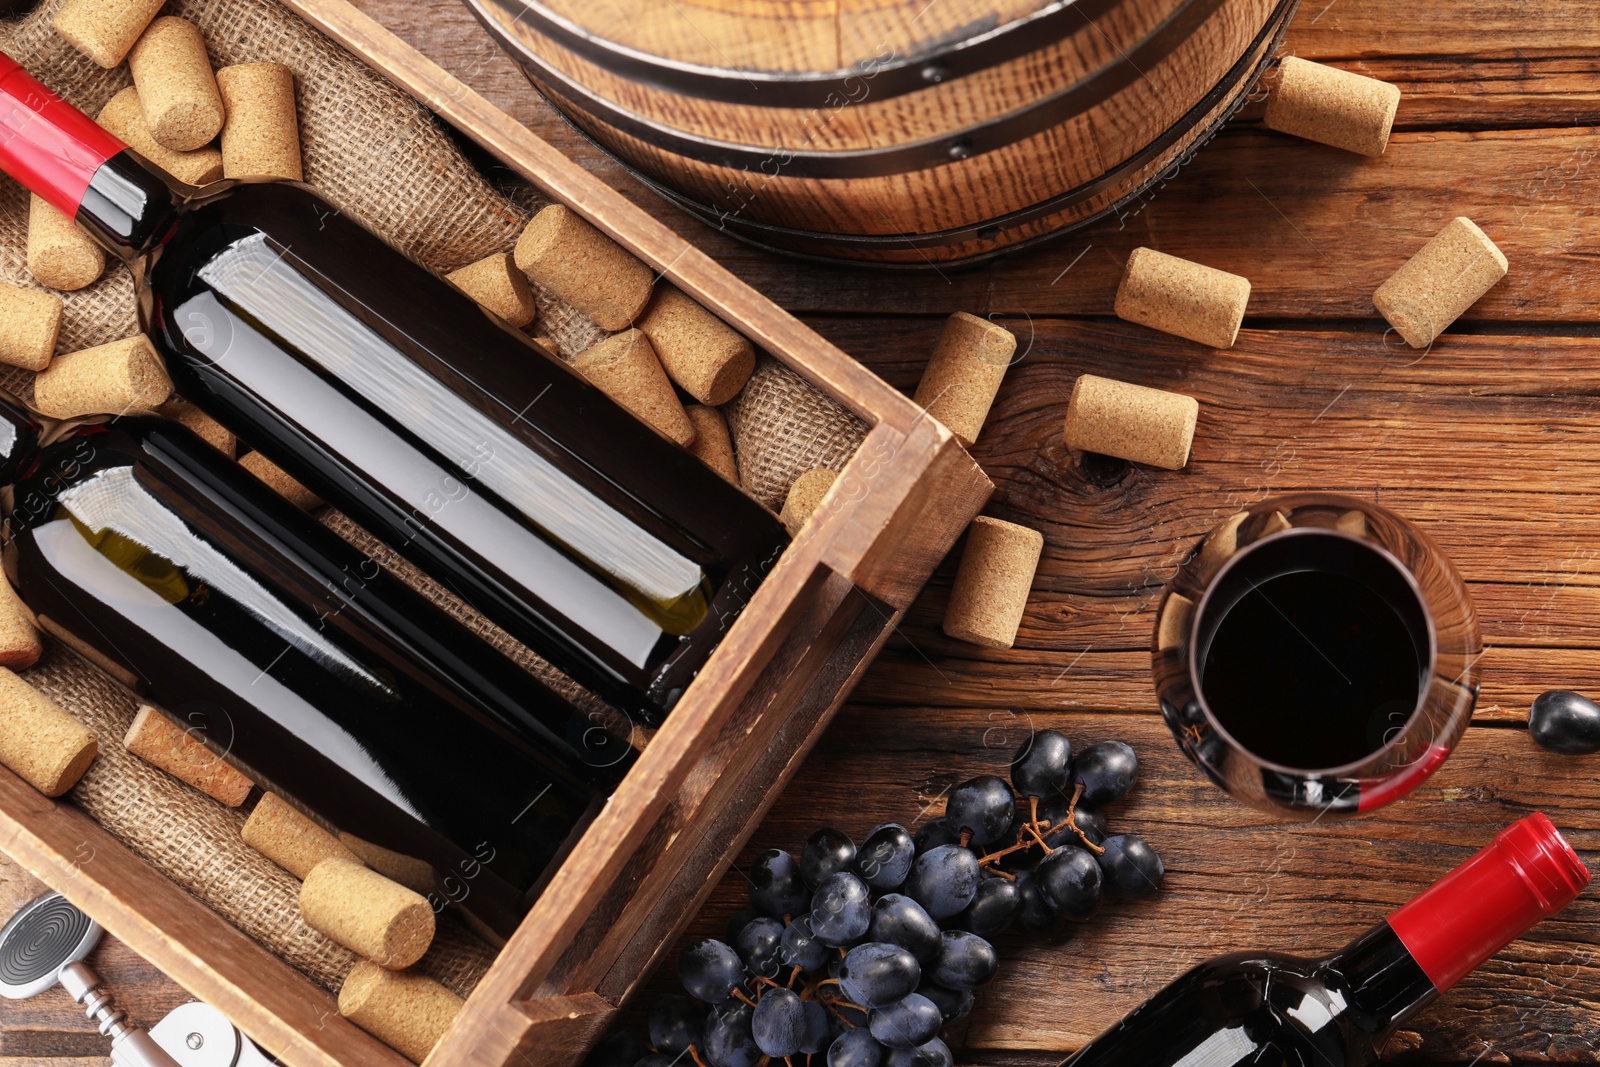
[[375, 153], [196, 841]]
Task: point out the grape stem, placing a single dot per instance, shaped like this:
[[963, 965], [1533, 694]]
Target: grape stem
[[694, 1053]]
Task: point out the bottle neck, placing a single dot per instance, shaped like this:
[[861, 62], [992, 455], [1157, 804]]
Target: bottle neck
[[64, 157], [1380, 980], [1525, 875]]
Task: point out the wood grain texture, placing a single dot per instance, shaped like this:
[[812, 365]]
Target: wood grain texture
[[1235, 879], [1488, 441]]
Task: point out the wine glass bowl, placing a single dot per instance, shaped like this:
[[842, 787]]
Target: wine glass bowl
[[1316, 656]]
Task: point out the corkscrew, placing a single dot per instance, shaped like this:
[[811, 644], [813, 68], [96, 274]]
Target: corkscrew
[[46, 943]]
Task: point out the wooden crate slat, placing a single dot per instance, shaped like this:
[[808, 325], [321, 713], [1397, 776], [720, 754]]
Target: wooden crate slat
[[279, 1008]]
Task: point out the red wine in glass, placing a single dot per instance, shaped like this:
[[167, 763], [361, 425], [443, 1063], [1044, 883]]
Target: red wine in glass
[[1317, 656]]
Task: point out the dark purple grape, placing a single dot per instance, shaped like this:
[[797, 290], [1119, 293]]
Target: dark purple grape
[[1565, 722], [1035, 914], [674, 1023], [736, 922], [943, 880], [760, 946], [818, 1029], [935, 832], [727, 1040], [907, 1023], [984, 807], [993, 907], [826, 852], [966, 961], [1132, 868], [619, 1048], [776, 885], [709, 970], [899, 920], [934, 1054], [877, 973], [884, 859], [1107, 771], [841, 909], [954, 1004], [1042, 767], [855, 1048], [655, 1059], [779, 1022], [800, 947], [1070, 880]]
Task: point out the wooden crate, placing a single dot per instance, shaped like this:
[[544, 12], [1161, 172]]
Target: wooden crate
[[709, 775]]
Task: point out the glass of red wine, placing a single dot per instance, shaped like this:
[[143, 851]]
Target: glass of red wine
[[1317, 656]]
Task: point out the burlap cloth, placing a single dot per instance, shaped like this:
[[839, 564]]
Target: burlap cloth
[[382, 158]]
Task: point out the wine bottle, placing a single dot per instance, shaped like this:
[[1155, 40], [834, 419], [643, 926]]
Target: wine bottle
[[300, 661], [1261, 1007], [444, 431]]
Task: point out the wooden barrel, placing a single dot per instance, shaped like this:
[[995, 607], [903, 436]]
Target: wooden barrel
[[908, 132]]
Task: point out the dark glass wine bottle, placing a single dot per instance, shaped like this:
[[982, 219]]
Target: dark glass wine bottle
[[1262, 1008], [441, 429], [299, 660]]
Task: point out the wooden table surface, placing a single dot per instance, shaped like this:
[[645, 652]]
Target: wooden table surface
[[1490, 440]]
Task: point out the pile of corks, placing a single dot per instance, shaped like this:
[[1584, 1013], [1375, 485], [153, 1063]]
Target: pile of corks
[[1153, 426]]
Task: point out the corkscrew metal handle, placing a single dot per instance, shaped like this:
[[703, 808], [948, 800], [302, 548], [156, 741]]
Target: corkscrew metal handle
[[130, 1046]]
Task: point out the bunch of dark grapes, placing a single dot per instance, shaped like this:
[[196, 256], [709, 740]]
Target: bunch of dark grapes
[[864, 954]]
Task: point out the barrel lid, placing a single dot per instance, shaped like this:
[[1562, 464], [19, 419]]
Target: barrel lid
[[788, 35]]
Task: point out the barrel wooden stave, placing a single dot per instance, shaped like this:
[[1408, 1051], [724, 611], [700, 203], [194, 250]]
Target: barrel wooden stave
[[857, 117], [886, 212]]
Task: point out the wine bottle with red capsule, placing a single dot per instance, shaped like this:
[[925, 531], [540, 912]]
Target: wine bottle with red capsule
[[1262, 1008], [440, 428]]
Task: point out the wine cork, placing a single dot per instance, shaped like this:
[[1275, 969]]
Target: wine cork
[[1332, 107], [182, 105], [159, 742], [105, 30], [1438, 284], [1131, 422], [261, 137], [626, 369], [46, 747], [409, 871], [288, 838], [805, 497], [30, 322], [407, 1012], [123, 118], [204, 426], [60, 254], [709, 359], [20, 647], [992, 583], [113, 379], [496, 284], [281, 482], [1187, 299], [712, 443], [367, 913], [969, 361], [584, 267]]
